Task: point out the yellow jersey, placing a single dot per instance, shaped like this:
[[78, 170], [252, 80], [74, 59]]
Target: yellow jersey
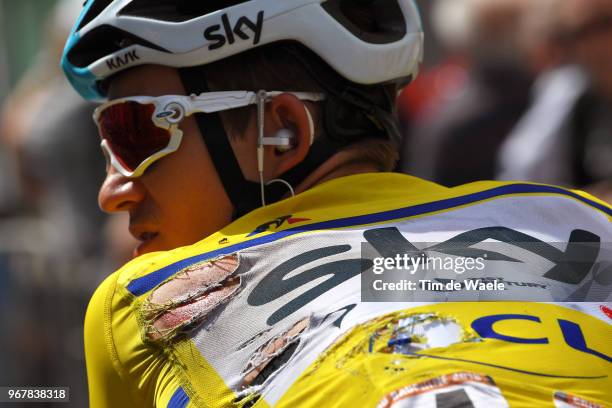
[[276, 309]]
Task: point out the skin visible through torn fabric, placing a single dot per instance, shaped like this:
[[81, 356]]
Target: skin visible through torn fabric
[[183, 302], [401, 334], [273, 355], [418, 332]]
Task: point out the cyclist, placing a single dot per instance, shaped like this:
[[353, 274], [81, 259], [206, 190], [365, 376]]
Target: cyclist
[[251, 143]]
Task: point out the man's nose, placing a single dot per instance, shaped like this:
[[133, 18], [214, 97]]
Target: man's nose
[[120, 193]]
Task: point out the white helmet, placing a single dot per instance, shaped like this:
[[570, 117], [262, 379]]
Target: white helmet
[[113, 35]]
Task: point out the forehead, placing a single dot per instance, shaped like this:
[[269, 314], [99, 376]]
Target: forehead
[[146, 80]]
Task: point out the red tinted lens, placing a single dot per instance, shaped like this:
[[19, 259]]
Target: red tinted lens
[[131, 134]]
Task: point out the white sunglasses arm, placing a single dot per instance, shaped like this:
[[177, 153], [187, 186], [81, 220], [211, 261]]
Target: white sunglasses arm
[[211, 102]]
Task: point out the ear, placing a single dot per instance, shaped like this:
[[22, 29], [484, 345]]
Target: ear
[[287, 112]]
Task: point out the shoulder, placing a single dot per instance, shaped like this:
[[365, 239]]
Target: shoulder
[[535, 195], [401, 190], [114, 308], [119, 360], [408, 196], [105, 318], [97, 318]]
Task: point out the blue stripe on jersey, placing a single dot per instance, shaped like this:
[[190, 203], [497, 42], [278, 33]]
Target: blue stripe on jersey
[[146, 283], [179, 399]]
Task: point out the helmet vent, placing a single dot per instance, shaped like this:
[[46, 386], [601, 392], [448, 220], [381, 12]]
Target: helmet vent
[[96, 8], [176, 10], [102, 42], [373, 21]]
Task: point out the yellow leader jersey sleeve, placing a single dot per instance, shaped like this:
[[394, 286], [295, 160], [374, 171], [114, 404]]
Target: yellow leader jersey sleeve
[[122, 370], [270, 311]]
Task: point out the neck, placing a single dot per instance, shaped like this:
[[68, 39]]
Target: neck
[[340, 165]]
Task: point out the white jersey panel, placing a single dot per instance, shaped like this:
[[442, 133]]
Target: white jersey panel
[[316, 276]]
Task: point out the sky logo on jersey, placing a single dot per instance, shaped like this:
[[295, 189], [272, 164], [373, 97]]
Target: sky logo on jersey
[[277, 223], [225, 33]]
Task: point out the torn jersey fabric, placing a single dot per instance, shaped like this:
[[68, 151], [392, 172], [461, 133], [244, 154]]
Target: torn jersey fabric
[[280, 307]]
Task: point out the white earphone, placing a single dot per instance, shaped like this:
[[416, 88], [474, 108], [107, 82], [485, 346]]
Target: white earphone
[[284, 138]]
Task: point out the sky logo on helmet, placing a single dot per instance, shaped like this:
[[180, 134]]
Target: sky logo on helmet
[[215, 34]]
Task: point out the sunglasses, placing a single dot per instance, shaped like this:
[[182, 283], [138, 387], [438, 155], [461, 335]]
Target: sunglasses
[[137, 131]]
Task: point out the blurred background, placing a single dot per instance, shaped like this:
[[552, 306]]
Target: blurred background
[[56, 246], [509, 90]]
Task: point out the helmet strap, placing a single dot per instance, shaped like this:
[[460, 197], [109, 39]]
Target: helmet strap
[[245, 195]]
